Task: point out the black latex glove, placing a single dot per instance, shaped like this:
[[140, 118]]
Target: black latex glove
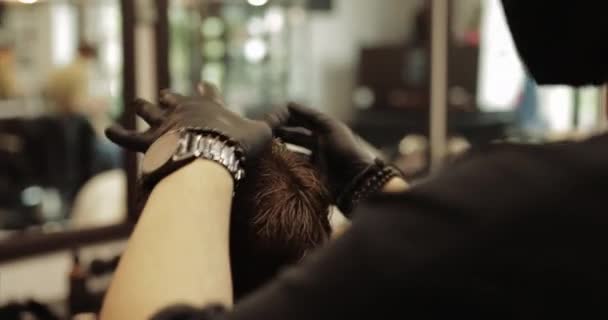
[[205, 111], [337, 153]]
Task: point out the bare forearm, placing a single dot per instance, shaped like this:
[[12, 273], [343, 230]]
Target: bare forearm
[[179, 250]]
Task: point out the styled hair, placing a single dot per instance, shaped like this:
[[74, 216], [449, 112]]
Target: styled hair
[[280, 211]]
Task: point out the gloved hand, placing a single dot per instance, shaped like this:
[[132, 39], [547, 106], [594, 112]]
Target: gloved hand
[[337, 152], [205, 111]]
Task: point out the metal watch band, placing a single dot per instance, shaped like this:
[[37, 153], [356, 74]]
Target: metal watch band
[[210, 146]]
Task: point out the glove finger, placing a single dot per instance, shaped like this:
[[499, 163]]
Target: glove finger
[[128, 139], [309, 118], [277, 118], [148, 111], [208, 90], [297, 136], [170, 99]]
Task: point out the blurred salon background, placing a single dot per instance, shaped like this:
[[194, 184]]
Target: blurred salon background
[[421, 80]]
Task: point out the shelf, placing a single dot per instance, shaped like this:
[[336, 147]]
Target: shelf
[[388, 126]]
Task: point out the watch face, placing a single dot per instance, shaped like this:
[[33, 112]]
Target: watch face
[[160, 152]]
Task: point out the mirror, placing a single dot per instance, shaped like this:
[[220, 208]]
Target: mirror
[[60, 86], [365, 62], [247, 49]]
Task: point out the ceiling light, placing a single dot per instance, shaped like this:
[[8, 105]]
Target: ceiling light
[[257, 3], [255, 50]]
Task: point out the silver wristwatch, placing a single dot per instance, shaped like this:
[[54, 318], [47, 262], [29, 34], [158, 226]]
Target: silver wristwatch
[[176, 148]]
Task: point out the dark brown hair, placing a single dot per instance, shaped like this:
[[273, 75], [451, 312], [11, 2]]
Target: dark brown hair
[[279, 213]]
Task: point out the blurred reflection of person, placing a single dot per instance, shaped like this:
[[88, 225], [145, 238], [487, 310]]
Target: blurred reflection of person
[[81, 88], [9, 87]]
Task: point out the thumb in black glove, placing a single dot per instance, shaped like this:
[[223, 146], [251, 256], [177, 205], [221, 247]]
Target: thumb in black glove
[[337, 152]]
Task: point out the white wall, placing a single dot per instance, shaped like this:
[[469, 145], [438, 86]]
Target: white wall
[[32, 29], [336, 38]]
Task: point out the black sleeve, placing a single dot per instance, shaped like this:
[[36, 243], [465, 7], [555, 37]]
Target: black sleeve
[[506, 233], [185, 312]]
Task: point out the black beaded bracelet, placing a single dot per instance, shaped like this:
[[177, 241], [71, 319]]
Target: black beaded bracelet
[[364, 185]]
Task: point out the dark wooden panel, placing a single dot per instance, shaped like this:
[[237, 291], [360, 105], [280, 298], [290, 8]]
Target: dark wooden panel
[[23, 246], [128, 118], [163, 76]]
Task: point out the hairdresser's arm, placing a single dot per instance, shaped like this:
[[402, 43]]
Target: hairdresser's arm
[[178, 252]]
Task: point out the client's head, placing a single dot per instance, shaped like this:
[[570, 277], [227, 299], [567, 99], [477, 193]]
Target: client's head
[[279, 213]]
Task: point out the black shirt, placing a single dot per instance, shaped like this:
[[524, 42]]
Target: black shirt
[[510, 232]]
